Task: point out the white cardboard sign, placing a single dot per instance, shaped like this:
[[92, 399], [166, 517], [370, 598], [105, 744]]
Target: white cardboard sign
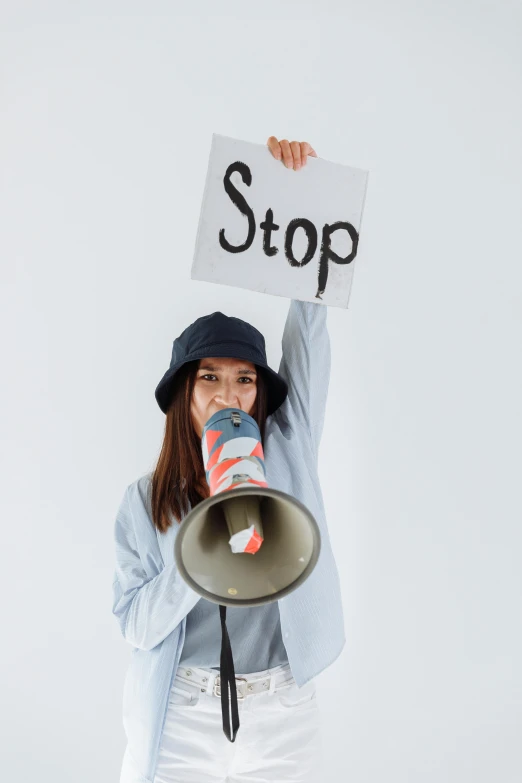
[[270, 229]]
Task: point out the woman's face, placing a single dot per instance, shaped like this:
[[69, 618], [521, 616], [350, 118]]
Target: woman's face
[[222, 383]]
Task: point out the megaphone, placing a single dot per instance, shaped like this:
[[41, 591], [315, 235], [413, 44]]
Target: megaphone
[[247, 544], [243, 517]]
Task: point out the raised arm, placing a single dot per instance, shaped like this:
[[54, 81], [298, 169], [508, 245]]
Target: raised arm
[[305, 366], [148, 601]]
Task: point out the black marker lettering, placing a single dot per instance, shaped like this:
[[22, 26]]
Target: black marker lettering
[[268, 226], [327, 254], [311, 235], [240, 202]]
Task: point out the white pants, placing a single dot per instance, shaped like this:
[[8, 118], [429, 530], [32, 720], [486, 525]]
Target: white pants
[[279, 737]]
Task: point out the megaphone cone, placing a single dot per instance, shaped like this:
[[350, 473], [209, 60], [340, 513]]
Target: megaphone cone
[[288, 554]]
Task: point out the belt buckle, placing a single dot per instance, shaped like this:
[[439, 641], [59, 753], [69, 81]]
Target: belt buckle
[[217, 687]]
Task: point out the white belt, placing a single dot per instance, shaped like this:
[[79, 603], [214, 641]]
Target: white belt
[[209, 681]]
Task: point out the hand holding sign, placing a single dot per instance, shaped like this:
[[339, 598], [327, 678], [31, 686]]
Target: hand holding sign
[[292, 153], [314, 216]]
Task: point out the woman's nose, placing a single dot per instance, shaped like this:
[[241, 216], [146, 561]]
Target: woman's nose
[[230, 400]]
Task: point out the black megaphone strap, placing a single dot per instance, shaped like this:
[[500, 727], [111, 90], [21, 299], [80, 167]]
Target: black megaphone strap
[[227, 679]]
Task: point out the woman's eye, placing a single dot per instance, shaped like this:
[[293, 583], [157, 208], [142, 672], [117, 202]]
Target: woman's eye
[[243, 377]]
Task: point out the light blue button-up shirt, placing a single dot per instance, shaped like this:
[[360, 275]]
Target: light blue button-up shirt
[[152, 601]]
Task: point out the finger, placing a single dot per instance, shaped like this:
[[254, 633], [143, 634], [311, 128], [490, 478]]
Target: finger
[[273, 146], [309, 149], [296, 152], [287, 153], [306, 149]]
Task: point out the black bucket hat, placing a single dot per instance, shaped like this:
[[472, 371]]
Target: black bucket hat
[[221, 335]]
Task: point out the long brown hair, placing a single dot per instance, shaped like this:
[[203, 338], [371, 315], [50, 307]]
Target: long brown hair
[[179, 476]]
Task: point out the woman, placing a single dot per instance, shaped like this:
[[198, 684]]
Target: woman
[[171, 702]]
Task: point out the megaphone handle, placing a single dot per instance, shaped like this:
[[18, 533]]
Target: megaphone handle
[[227, 680]]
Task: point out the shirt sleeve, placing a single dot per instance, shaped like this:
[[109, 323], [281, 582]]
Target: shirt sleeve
[[305, 366], [148, 606]]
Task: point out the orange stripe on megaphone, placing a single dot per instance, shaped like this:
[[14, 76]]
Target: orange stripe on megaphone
[[258, 451], [214, 457], [211, 437]]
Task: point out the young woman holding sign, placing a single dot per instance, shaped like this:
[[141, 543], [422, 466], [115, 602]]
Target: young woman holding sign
[[172, 717]]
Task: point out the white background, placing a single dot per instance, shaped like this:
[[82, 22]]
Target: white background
[[107, 111]]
